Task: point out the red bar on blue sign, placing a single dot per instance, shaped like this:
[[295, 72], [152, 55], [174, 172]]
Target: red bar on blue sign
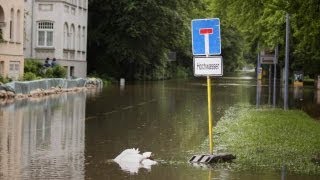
[[206, 31]]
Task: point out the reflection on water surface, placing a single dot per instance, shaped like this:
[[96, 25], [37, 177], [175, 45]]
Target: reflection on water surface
[[43, 138]]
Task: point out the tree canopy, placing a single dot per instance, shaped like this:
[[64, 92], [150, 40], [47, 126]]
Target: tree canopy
[[132, 38], [263, 22]]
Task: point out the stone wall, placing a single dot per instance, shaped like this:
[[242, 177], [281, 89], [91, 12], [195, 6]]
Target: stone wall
[[44, 87]]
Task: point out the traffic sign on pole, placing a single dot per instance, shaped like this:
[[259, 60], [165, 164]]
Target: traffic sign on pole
[[206, 39]]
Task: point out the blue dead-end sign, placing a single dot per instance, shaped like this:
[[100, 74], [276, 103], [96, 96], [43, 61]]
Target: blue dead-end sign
[[206, 39]]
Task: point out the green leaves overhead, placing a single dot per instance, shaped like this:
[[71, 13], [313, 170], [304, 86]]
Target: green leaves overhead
[[133, 36], [263, 21]]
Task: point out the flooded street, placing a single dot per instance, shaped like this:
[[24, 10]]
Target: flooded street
[[76, 135]]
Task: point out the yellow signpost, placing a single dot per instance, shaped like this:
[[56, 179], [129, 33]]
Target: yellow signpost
[[206, 44], [207, 62]]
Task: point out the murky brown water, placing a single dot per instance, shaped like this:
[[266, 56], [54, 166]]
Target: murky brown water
[[74, 136]]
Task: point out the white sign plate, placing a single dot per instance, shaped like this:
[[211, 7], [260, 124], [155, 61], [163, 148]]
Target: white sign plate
[[208, 66]]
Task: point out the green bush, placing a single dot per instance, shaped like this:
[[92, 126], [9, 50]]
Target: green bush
[[33, 66], [59, 71], [28, 76], [48, 73], [4, 80], [34, 70], [182, 72]]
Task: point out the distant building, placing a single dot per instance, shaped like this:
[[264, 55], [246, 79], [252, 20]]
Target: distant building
[[57, 29], [11, 38]]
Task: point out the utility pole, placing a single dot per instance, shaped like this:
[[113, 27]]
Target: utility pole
[[270, 84], [286, 78], [258, 90], [275, 76], [258, 62]]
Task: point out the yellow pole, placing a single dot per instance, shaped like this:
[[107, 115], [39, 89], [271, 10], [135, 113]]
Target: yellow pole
[[209, 113], [210, 175]]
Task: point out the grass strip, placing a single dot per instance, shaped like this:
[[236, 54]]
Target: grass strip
[[268, 139]]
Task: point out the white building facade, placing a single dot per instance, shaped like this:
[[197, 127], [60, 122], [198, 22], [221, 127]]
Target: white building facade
[[57, 29], [11, 39]]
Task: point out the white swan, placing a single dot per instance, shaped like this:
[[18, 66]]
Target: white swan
[[130, 160]]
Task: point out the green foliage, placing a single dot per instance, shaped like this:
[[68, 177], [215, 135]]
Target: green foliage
[[181, 72], [262, 141], [35, 70], [48, 73], [132, 43], [33, 66], [263, 23], [134, 40], [4, 80], [28, 76], [59, 71]]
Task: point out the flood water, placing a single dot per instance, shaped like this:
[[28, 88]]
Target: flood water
[[76, 135]]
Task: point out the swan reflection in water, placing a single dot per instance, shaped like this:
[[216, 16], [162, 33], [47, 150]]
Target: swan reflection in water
[[130, 160]]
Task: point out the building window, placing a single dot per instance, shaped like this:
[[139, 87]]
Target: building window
[[45, 34], [14, 69], [18, 26], [2, 68], [65, 36], [2, 23], [71, 71], [84, 39], [79, 38], [73, 11], [12, 25], [72, 37], [11, 67]]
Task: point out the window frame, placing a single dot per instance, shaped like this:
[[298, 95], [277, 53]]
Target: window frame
[[66, 43], [46, 32]]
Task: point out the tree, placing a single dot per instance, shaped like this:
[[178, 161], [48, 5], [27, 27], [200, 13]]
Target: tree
[[263, 22], [131, 38]]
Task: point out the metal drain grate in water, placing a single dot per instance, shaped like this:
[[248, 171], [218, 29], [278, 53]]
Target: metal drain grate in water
[[215, 158]]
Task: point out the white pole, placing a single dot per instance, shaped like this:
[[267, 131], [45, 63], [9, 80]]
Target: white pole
[[206, 44]]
